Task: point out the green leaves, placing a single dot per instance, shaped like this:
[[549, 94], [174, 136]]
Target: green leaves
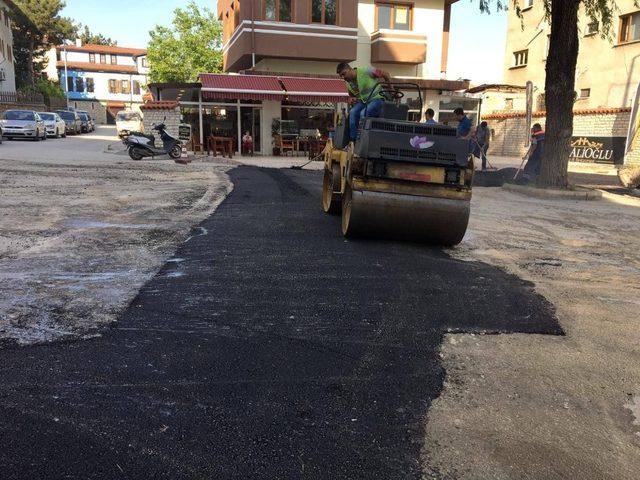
[[192, 45]]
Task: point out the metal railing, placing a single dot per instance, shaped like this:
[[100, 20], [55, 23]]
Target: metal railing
[[21, 97]]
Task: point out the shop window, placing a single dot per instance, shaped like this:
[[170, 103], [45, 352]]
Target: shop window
[[277, 10], [520, 58], [103, 58], [92, 58], [629, 28], [592, 28], [90, 85], [585, 92], [79, 84], [392, 16], [324, 11]]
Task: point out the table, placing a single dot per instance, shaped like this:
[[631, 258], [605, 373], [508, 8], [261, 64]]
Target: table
[[225, 144]]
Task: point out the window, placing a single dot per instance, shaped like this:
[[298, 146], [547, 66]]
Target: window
[[112, 86], [69, 84], [324, 11], [103, 58], [145, 63], [277, 10], [520, 58], [114, 60], [527, 4], [9, 54], [391, 16], [592, 28], [508, 103], [585, 92], [90, 85], [92, 58], [125, 87], [136, 87], [79, 84], [629, 28]]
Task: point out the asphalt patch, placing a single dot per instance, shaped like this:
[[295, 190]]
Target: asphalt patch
[[273, 349]]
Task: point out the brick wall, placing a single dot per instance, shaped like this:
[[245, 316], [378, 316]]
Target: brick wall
[[157, 115], [509, 135]]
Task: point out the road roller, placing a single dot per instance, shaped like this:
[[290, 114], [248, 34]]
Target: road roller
[[400, 179]]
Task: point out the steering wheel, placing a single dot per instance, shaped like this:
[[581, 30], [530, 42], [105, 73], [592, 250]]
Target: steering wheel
[[392, 93]]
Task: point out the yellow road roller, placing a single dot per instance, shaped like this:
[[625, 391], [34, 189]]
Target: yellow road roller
[[401, 179]]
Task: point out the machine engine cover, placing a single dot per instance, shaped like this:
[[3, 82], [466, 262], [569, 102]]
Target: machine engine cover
[[394, 140]]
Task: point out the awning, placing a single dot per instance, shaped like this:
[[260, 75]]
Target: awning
[[316, 90], [240, 87]]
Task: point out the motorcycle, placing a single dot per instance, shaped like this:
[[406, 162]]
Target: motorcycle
[[140, 145]]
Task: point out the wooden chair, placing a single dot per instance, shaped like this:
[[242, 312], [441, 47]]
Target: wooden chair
[[195, 144], [285, 144]]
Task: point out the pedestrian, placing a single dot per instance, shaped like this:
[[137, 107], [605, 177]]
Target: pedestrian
[[534, 154], [464, 124], [247, 143], [429, 114], [482, 138], [364, 89]]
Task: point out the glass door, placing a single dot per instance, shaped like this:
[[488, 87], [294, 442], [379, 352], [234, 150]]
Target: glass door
[[250, 122]]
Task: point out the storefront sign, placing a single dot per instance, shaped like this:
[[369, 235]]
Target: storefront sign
[[184, 132], [597, 150]]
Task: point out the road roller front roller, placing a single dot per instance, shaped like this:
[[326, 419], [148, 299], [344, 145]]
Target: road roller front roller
[[401, 180]]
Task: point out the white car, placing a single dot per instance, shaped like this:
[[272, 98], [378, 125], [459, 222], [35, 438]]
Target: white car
[[54, 123], [128, 121]]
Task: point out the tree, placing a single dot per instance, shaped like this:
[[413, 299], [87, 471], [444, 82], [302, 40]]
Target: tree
[[192, 45], [560, 77], [39, 27], [88, 37]]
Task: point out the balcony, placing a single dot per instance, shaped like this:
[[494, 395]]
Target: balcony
[[396, 46], [291, 41]]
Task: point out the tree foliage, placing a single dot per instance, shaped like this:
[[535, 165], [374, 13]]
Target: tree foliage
[[561, 62], [192, 45], [88, 37], [34, 31]]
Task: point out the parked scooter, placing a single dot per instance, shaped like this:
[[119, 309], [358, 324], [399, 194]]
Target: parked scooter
[[141, 145]]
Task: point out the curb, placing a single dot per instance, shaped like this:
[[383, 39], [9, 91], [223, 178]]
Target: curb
[[580, 193]]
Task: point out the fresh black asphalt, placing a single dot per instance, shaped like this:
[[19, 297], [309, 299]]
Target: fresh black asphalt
[[275, 350]]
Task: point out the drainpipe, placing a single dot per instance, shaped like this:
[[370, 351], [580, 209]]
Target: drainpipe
[[253, 37]]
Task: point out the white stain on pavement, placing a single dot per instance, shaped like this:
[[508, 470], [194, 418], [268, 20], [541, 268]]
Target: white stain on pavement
[[634, 407]]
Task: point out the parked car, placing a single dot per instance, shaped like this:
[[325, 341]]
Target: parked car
[[128, 121], [54, 124], [71, 120], [23, 124], [91, 123]]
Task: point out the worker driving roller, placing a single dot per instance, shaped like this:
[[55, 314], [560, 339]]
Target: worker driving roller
[[363, 85]]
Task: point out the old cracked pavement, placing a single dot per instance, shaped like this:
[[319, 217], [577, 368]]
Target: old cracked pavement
[[269, 347]]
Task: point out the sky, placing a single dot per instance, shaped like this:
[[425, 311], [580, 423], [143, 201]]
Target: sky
[[476, 51]]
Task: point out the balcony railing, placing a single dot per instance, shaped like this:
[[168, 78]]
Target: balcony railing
[[21, 97]]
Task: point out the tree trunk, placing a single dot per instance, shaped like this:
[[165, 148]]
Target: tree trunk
[[559, 93], [31, 74]]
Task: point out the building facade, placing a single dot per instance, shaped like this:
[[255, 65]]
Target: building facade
[[100, 79], [7, 70], [608, 69]]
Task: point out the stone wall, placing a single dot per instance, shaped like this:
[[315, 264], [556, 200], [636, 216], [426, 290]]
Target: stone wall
[[161, 112], [97, 110], [38, 107], [509, 135]]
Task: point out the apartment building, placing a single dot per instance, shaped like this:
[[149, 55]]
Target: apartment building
[[608, 69], [7, 70], [100, 79]]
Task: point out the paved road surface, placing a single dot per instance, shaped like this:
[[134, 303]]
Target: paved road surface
[[269, 348]]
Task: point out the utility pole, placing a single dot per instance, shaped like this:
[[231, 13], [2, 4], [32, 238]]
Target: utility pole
[[66, 78]]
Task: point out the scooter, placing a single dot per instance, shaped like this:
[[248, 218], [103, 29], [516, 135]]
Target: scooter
[[141, 145]]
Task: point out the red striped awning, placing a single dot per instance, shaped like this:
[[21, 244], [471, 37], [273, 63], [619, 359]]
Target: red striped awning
[[240, 87], [317, 90]]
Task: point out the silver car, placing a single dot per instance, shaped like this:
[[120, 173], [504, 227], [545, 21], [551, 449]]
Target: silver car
[[23, 124], [54, 124]]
